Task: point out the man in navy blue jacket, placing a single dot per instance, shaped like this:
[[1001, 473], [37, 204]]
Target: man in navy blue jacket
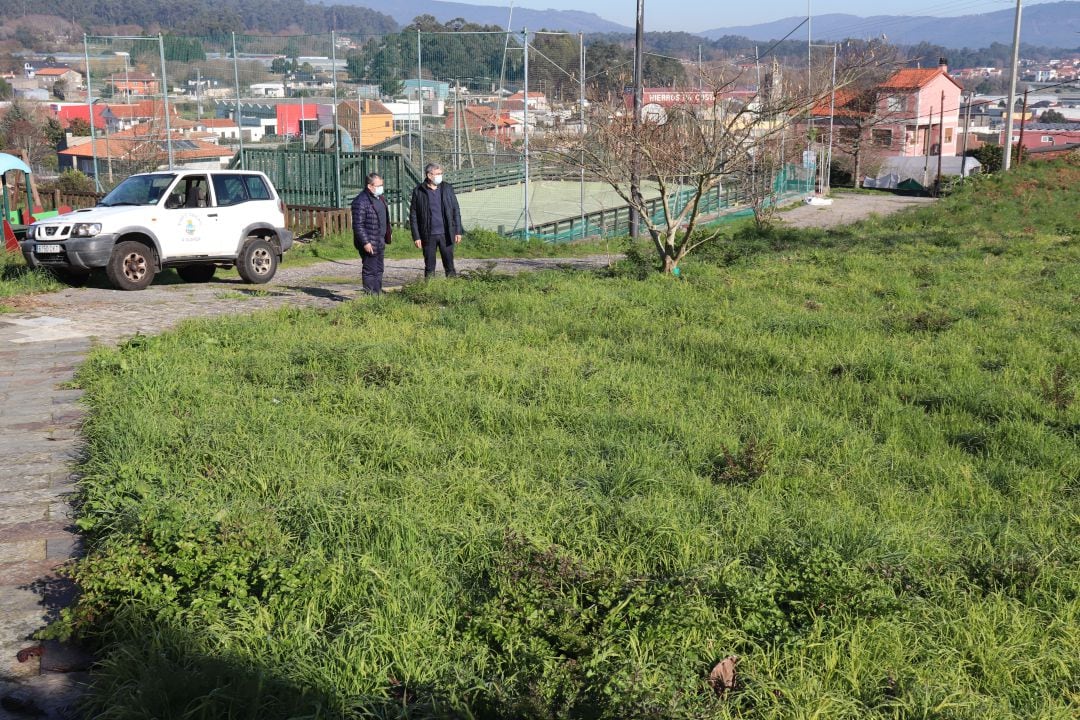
[[371, 231], [435, 220]]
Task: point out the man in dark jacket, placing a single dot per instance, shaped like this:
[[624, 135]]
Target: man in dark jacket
[[371, 231], [435, 219]]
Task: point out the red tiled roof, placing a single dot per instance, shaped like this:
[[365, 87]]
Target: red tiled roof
[[914, 78], [120, 148], [54, 71], [844, 98]]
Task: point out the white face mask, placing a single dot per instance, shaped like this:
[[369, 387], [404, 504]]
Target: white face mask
[[377, 191], [436, 179]]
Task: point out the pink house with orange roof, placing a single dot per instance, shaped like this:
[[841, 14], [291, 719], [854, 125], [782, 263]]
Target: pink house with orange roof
[[914, 110], [922, 108]]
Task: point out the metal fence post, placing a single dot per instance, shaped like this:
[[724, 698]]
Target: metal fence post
[[420, 95], [165, 101], [581, 134], [90, 107], [525, 211], [337, 135], [236, 80]]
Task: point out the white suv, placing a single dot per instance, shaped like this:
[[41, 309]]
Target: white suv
[[193, 220]]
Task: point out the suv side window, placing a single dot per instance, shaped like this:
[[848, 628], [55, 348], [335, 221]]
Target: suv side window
[[230, 190], [256, 188], [192, 191]]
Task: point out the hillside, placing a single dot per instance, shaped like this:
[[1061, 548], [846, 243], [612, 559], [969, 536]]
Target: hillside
[[570, 20], [1048, 24], [203, 17]]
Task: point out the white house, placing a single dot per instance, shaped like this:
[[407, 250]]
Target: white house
[[268, 89]]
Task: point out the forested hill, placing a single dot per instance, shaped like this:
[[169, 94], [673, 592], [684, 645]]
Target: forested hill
[[206, 17]]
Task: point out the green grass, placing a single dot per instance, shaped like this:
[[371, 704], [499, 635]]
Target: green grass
[[18, 279], [848, 457], [475, 244]]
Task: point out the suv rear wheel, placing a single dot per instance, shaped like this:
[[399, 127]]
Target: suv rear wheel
[[257, 262], [131, 266], [196, 273]]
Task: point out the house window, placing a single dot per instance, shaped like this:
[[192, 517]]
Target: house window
[[1048, 139], [882, 138], [948, 135], [894, 103]]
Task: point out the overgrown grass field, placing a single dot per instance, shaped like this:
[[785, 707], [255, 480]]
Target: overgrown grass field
[[849, 458]]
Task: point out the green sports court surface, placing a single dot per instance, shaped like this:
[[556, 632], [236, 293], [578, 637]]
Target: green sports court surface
[[549, 200]]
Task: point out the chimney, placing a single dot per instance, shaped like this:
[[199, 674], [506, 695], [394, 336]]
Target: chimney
[[943, 63]]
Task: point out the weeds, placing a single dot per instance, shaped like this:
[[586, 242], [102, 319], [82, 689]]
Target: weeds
[[744, 466], [1056, 390]]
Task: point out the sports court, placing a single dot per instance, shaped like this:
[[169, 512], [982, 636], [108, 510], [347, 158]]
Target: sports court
[[549, 200]]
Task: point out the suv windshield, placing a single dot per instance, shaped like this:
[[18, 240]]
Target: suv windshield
[[138, 190]]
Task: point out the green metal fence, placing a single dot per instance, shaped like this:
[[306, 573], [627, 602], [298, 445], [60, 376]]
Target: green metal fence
[[722, 204], [328, 180]]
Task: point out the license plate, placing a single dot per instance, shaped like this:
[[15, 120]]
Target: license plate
[[45, 249]]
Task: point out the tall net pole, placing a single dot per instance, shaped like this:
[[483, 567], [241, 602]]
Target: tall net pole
[[338, 200], [420, 94], [525, 40], [581, 118], [90, 108], [165, 101], [236, 81]]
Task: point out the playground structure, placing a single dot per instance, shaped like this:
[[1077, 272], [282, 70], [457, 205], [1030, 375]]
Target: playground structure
[[18, 215]]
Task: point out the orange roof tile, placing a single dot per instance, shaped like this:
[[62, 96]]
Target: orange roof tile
[[54, 71], [120, 148], [913, 78]]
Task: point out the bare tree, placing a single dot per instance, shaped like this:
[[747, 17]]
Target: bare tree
[[687, 151], [861, 109]]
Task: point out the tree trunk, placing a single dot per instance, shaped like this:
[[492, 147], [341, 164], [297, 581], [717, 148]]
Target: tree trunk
[[858, 166]]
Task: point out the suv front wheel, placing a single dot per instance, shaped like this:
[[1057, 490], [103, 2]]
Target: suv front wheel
[[131, 266], [257, 262]]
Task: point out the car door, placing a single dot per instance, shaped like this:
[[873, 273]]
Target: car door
[[231, 201], [190, 225]]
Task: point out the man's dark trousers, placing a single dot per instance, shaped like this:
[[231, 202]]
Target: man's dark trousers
[[446, 251], [373, 268]]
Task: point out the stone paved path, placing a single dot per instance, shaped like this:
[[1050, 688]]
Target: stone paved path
[[40, 348]]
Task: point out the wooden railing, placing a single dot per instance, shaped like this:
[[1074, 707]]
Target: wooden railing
[[57, 199], [303, 219]]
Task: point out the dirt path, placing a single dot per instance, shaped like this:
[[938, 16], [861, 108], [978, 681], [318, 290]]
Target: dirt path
[[43, 343], [847, 208]]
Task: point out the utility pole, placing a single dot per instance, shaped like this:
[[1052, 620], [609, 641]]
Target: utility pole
[[635, 165], [809, 81], [1006, 160], [941, 143], [929, 137], [963, 149]]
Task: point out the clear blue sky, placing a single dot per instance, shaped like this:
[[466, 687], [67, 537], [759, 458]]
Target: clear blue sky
[[698, 15]]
